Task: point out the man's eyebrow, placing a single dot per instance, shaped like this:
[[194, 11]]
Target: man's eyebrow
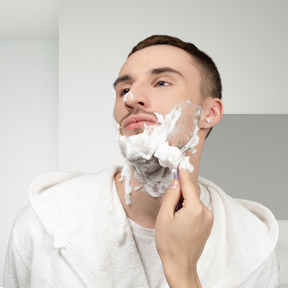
[[154, 71], [122, 79], [166, 69]]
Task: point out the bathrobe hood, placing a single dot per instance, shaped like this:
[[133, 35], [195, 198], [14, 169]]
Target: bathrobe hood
[[85, 218]]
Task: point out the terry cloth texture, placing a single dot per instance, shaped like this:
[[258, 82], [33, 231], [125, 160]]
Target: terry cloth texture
[[75, 233]]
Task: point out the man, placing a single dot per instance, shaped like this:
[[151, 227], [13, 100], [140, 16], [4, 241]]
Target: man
[[110, 230]]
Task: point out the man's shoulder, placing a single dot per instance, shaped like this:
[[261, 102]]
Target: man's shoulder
[[66, 199], [244, 233], [26, 234], [57, 184], [25, 223], [240, 211], [218, 195], [55, 190]]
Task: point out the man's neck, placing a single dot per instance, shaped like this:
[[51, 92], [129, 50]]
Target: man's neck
[[144, 208]]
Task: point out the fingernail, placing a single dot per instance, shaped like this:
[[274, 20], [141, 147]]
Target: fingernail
[[174, 184]]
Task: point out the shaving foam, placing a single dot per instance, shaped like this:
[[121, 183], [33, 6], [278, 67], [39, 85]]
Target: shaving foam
[[129, 94], [151, 158]]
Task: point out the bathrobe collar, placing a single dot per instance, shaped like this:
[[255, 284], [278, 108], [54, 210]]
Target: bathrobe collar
[[84, 216]]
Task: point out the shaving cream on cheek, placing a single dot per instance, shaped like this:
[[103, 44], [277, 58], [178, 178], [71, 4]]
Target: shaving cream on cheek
[[153, 156]]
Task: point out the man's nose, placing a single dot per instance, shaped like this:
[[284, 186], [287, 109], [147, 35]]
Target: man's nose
[[136, 98]]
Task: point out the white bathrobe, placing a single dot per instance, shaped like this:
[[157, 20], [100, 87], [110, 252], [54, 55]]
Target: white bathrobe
[[75, 233]]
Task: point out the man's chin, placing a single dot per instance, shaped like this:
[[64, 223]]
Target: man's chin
[[132, 132], [139, 131]]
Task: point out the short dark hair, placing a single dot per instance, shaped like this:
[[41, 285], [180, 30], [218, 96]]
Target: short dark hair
[[210, 78]]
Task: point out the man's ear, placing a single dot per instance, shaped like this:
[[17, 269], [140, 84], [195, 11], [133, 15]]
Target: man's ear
[[212, 112]]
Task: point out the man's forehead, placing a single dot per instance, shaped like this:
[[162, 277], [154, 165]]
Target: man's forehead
[[157, 56]]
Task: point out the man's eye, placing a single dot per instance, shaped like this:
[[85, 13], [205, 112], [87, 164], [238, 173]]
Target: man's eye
[[124, 91], [162, 83]]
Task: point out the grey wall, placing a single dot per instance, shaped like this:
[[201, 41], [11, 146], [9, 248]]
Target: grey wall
[[246, 155]]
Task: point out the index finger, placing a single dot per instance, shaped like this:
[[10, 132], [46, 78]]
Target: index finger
[[189, 190]]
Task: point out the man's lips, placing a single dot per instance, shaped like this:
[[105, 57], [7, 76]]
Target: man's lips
[[138, 121]]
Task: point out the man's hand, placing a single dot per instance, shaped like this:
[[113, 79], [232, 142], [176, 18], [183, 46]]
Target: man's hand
[[181, 236]]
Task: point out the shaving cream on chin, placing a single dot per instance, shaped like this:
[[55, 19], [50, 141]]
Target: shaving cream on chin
[[149, 156]]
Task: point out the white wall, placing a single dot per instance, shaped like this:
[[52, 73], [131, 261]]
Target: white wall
[[247, 39], [28, 122]]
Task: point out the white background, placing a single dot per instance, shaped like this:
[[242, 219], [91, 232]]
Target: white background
[[247, 39], [28, 122]]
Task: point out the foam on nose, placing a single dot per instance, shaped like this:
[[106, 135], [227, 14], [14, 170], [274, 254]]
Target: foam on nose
[[129, 94]]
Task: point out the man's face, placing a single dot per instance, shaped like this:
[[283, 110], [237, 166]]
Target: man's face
[[159, 77]]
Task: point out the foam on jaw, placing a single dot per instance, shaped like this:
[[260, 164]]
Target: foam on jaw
[[150, 156]]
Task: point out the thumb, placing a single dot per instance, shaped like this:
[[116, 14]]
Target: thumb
[[171, 198]]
